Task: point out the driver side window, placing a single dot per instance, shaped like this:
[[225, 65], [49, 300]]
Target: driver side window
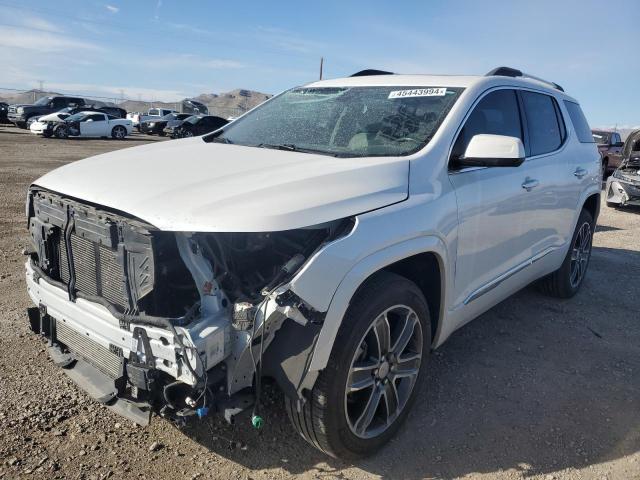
[[497, 113]]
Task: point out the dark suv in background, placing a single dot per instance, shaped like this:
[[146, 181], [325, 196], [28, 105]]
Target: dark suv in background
[[20, 114], [4, 109], [610, 147]]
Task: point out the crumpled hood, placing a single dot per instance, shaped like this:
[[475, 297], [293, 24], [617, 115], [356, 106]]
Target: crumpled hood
[[190, 185]]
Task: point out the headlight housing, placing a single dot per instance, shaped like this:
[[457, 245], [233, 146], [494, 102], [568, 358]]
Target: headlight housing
[[20, 110]]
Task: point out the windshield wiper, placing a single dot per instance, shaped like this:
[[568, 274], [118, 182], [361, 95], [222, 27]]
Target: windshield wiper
[[289, 147], [219, 139], [283, 146]]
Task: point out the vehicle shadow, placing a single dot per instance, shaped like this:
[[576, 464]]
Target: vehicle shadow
[[535, 385]]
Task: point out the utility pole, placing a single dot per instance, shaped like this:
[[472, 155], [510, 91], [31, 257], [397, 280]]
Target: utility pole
[[41, 85], [321, 65]]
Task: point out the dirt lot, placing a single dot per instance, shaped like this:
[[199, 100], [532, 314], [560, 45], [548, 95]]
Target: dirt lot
[[536, 388]]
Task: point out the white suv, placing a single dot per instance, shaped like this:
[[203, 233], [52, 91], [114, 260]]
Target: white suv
[[329, 239]]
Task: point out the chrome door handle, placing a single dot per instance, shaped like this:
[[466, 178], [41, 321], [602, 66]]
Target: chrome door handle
[[529, 184], [580, 172]]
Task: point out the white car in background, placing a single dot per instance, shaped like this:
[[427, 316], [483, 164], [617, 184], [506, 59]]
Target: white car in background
[[86, 124]]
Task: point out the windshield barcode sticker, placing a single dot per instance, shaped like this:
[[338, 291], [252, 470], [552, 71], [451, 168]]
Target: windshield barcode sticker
[[419, 92]]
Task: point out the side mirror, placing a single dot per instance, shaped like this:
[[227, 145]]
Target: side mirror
[[486, 150]]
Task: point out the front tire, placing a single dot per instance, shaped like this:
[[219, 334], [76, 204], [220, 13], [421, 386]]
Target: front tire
[[61, 132], [566, 281], [364, 394]]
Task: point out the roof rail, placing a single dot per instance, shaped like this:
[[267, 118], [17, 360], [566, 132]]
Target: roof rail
[[368, 72], [513, 72]]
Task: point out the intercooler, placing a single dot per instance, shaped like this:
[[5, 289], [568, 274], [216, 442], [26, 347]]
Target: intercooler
[[101, 357], [98, 271]]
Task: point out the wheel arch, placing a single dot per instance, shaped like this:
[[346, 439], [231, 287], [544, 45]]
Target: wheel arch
[[118, 126], [406, 259], [425, 270], [592, 205]]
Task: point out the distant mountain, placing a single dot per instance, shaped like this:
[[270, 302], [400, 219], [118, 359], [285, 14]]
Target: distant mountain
[[224, 104]]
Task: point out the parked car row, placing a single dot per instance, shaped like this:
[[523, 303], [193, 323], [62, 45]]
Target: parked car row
[[64, 116], [156, 126], [187, 107], [86, 123], [20, 114], [193, 126]]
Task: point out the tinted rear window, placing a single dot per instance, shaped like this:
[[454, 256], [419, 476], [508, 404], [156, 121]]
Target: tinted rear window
[[545, 133], [579, 122]]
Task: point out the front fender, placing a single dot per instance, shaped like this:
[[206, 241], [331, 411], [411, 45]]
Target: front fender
[[362, 270]]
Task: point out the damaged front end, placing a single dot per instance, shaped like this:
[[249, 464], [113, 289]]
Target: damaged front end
[[178, 323], [623, 187]]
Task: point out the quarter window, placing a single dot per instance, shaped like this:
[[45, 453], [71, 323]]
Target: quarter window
[[497, 113], [545, 133], [580, 124]]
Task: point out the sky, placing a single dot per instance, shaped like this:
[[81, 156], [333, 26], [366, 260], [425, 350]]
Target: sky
[[165, 50]]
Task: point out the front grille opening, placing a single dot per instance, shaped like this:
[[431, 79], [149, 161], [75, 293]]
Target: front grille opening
[[100, 273], [175, 291], [122, 260]]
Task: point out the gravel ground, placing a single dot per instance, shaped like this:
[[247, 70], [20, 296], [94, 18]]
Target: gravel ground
[[536, 388]]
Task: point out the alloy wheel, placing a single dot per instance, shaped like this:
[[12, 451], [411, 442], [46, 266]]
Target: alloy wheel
[[580, 253], [383, 371]]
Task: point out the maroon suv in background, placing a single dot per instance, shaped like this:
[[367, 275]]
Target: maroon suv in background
[[610, 147]]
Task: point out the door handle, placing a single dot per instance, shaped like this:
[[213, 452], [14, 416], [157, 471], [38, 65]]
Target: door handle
[[530, 183], [580, 172]]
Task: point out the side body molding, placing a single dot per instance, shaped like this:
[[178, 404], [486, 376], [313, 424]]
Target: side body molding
[[354, 277]]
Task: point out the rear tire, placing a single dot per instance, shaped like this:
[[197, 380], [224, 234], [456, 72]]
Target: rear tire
[[566, 281], [605, 168], [337, 418], [118, 132]]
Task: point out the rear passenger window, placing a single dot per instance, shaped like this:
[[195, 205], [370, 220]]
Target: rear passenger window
[[497, 114], [545, 133]]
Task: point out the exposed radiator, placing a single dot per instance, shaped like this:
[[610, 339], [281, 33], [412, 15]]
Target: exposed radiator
[[93, 352], [97, 270]]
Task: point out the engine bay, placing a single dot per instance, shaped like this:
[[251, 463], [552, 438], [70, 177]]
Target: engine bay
[[195, 312]]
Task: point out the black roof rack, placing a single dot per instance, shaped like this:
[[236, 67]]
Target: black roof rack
[[504, 72], [514, 72], [369, 72]]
